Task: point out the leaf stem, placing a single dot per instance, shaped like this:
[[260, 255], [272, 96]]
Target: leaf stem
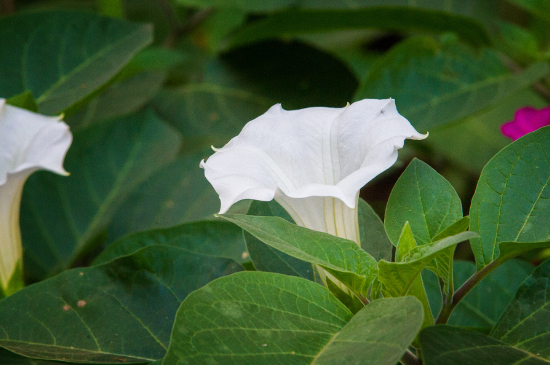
[[449, 306], [362, 299], [410, 359]]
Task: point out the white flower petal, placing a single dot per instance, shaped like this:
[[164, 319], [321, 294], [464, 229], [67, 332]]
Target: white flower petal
[[312, 152], [28, 142]]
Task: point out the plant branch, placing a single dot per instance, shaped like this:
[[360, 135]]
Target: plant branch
[[448, 308], [410, 359]]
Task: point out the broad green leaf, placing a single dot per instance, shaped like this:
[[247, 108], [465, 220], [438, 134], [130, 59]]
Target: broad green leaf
[[121, 98], [254, 317], [24, 100], [342, 258], [152, 59], [64, 56], [454, 346], [118, 312], [539, 8], [173, 195], [472, 142], [423, 198], [267, 258], [219, 25], [294, 22], [485, 303], [509, 250], [526, 324], [511, 198], [212, 238], [265, 318], [374, 239], [379, 334], [398, 277], [61, 217], [209, 114], [450, 81]]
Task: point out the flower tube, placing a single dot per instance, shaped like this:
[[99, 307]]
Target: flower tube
[[28, 142], [312, 161]]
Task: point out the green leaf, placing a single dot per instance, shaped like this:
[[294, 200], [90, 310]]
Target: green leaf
[[518, 42], [208, 114], [423, 198], [62, 217], [509, 250], [374, 239], [398, 277], [118, 312], [457, 227], [511, 198], [381, 333], [451, 81], [406, 243], [472, 142], [272, 318], [454, 346], [342, 258], [525, 324], [121, 98], [24, 100], [353, 303], [175, 194], [539, 8], [64, 56], [442, 266], [485, 303], [267, 258], [418, 291], [294, 22], [254, 316], [212, 238]]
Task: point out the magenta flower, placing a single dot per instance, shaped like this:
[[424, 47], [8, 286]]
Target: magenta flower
[[525, 121]]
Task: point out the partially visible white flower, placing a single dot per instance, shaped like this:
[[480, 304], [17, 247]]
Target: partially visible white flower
[[28, 142], [312, 161]]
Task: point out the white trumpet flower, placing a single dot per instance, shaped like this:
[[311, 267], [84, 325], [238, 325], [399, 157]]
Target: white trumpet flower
[[28, 142], [312, 161]]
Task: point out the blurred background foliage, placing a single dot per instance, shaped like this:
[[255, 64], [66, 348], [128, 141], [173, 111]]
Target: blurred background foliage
[[148, 86]]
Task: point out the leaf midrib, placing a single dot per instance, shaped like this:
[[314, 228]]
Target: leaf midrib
[[85, 64]]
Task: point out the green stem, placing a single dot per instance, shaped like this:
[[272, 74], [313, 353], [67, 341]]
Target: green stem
[[410, 359], [450, 305]]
